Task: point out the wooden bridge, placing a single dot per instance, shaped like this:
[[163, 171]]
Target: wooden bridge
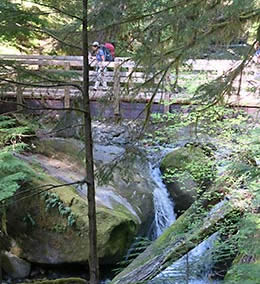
[[126, 81]]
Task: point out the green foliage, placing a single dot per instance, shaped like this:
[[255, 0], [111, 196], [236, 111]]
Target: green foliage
[[52, 200], [234, 140], [28, 219], [211, 122], [245, 268], [14, 133], [16, 23], [14, 173]]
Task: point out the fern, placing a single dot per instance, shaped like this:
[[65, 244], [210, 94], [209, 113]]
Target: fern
[[52, 200], [14, 173]]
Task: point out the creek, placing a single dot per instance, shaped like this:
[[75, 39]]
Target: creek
[[163, 205], [195, 267]]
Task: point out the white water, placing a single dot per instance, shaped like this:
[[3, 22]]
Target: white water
[[193, 268], [163, 205]]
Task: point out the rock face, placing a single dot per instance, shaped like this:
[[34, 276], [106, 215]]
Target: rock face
[[186, 172], [53, 228], [15, 266]]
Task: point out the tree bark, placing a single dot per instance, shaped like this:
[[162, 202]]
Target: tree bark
[[0, 265], [93, 258]]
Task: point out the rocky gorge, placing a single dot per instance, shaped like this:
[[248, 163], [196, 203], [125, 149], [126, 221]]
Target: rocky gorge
[[50, 229]]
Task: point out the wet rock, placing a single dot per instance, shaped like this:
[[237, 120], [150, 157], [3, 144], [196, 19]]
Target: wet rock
[[15, 266], [187, 172], [111, 134], [52, 236]]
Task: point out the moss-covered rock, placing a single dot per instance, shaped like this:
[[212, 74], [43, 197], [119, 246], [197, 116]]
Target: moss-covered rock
[[45, 236], [187, 172], [123, 176], [53, 228]]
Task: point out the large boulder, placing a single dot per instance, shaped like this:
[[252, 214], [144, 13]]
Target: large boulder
[[15, 266], [123, 174], [187, 172], [53, 228]]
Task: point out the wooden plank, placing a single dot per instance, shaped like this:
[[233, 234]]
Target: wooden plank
[[248, 99], [116, 90], [67, 90], [19, 97]]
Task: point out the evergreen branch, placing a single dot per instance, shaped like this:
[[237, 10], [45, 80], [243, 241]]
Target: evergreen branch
[[143, 16], [41, 30], [20, 69], [49, 187], [230, 79], [55, 9]]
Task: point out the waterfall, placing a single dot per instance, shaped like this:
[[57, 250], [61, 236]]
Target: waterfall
[[163, 205], [195, 267], [192, 268]]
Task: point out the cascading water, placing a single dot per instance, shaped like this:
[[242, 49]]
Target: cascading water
[[163, 205], [192, 268]]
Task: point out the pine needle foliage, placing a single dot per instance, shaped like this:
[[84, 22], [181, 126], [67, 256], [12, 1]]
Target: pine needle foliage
[[16, 23], [14, 173]]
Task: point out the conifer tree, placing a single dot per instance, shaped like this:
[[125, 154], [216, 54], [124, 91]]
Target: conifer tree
[[159, 34]]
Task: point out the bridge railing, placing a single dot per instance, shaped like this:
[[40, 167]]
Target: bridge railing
[[126, 80]]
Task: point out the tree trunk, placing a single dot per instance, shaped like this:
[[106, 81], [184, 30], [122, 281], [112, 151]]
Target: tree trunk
[[0, 265], [93, 258]]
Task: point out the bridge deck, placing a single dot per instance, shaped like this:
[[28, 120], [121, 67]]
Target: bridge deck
[[126, 80]]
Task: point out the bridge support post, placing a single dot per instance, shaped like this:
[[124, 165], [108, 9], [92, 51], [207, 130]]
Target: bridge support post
[[166, 100], [19, 95], [67, 89], [130, 78], [116, 90], [166, 97]]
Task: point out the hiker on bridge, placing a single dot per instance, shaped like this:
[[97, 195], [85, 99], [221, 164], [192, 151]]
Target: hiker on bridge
[[100, 67], [257, 52]]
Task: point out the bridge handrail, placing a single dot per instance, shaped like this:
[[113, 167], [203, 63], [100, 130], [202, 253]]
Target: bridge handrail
[[122, 71], [197, 64]]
